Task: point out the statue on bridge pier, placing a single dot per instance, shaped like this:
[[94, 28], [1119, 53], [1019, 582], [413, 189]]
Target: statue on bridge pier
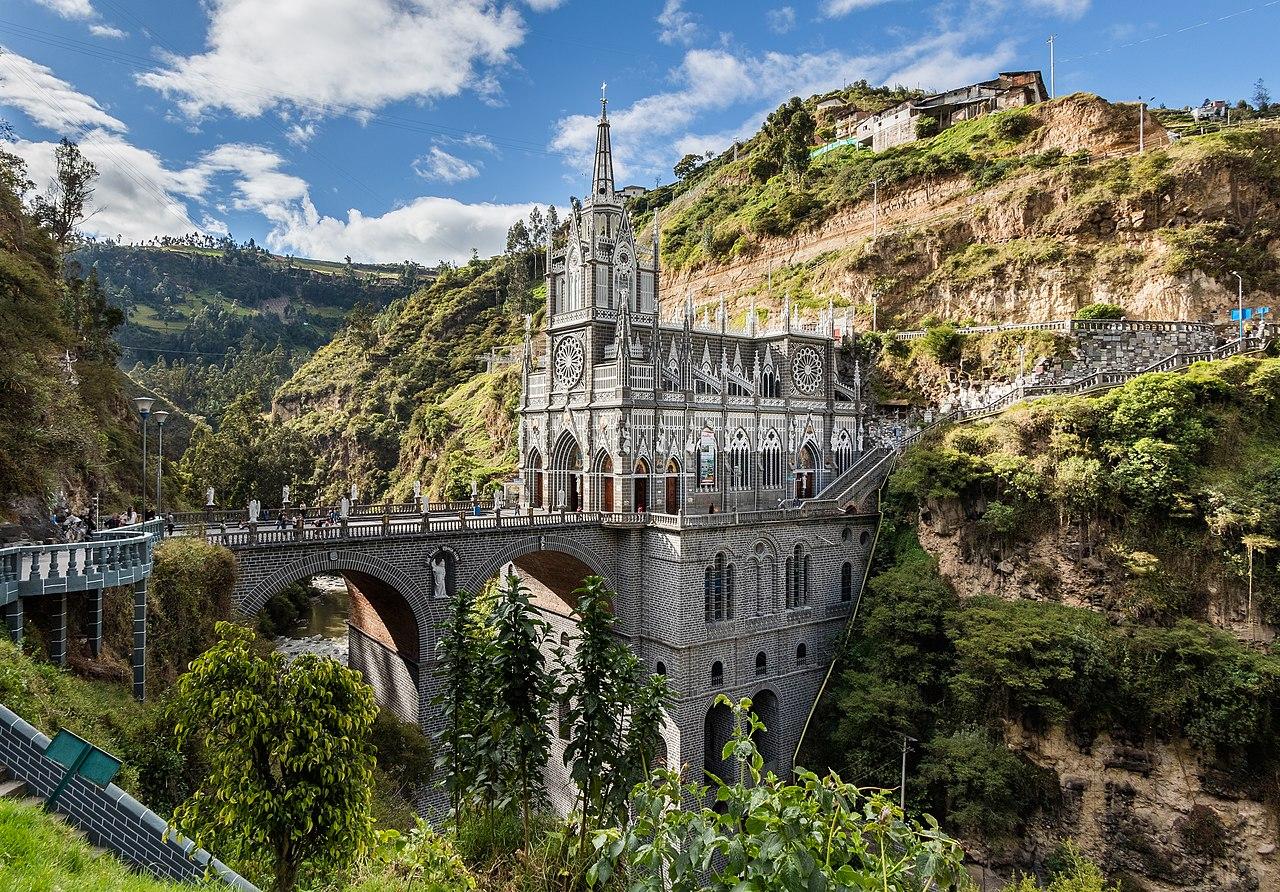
[[344, 507], [284, 495], [355, 494], [417, 493], [208, 497], [440, 575], [255, 507]]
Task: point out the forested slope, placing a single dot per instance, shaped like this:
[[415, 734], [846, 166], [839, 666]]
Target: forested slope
[[1072, 610]]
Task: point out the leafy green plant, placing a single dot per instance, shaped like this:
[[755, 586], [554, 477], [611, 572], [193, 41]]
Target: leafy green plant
[[523, 689], [606, 753], [290, 760], [764, 833]]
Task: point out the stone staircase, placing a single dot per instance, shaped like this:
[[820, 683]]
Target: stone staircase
[[11, 787]]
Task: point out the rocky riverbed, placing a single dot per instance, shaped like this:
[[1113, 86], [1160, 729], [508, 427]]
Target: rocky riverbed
[[324, 631]]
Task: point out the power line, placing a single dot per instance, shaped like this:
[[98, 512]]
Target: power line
[[1136, 43]]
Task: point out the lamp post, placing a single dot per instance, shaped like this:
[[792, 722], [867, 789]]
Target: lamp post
[[1239, 300], [144, 404], [161, 417]]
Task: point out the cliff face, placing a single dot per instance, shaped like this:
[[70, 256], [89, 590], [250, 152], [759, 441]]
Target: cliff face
[[976, 225], [1153, 814]]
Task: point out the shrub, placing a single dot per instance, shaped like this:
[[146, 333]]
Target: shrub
[[1099, 311]]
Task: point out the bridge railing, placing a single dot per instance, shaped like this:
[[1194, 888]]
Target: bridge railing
[[112, 557]]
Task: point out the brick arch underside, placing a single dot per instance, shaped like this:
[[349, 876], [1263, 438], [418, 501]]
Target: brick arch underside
[[557, 562], [390, 598]]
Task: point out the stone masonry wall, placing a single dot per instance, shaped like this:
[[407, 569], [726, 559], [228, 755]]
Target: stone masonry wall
[[109, 816]]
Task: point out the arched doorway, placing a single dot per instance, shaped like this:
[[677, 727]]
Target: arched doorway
[[603, 482], [717, 728], [566, 474], [672, 505], [534, 481], [640, 486], [806, 471], [765, 705]]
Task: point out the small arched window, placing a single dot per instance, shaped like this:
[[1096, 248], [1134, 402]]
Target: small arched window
[[762, 663], [729, 583], [661, 668], [802, 654], [717, 674], [846, 582], [864, 537]]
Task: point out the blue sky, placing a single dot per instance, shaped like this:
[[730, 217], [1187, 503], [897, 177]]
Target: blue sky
[[418, 129]]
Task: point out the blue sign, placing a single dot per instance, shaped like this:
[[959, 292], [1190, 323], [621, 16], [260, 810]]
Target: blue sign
[[1249, 313]]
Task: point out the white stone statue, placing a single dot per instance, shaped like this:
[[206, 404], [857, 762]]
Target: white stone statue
[[661, 444], [344, 507], [355, 494], [417, 491], [625, 438], [439, 576], [497, 501], [284, 494], [254, 507], [208, 497]]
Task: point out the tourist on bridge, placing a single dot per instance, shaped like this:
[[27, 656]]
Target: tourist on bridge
[[169, 525]]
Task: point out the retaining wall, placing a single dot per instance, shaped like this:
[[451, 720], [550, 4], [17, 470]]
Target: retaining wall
[[110, 817]]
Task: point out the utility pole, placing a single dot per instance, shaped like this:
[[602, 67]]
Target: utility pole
[[1053, 90], [1239, 300], [875, 305], [902, 789]]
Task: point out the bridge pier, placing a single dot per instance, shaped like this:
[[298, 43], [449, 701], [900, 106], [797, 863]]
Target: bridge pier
[[13, 619], [140, 639], [58, 630], [95, 621]]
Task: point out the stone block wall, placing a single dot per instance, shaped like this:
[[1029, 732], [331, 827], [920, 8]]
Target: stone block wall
[[1130, 346], [394, 679], [110, 817]]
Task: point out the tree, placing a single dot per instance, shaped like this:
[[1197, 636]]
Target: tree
[[1261, 95], [687, 166], [789, 133], [290, 759], [460, 661], [763, 833], [524, 691], [62, 208]]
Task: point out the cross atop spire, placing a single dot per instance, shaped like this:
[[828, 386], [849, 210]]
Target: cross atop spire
[[602, 175]]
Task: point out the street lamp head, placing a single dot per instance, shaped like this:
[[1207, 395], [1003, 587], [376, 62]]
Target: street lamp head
[[161, 416], [144, 404]]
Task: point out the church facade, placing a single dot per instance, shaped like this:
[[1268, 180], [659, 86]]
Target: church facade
[[716, 432]]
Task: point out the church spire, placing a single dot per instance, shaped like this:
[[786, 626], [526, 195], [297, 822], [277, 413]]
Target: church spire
[[602, 176]]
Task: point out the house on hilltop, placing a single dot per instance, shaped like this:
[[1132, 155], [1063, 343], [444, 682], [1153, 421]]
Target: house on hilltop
[[916, 118]]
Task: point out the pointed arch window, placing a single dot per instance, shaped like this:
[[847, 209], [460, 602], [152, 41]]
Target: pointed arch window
[[844, 452], [771, 465], [740, 461], [770, 385]]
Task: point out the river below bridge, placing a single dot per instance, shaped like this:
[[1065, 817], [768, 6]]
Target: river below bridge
[[323, 630]]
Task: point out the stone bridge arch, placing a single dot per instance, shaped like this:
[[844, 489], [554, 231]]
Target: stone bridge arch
[[559, 576], [393, 623]]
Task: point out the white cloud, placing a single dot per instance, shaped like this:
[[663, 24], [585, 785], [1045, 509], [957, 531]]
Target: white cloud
[[438, 164], [301, 134], [781, 20], [426, 230], [47, 99], [677, 24], [109, 31], [544, 5], [835, 8], [70, 9], [1068, 9], [945, 68], [342, 54]]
